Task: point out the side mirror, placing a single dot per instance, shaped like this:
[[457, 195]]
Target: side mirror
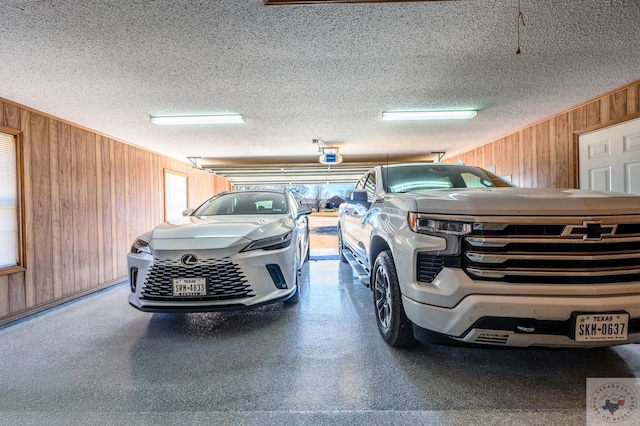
[[303, 210], [358, 196], [187, 212]]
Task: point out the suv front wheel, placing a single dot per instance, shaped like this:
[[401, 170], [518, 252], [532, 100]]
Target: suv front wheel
[[394, 326]]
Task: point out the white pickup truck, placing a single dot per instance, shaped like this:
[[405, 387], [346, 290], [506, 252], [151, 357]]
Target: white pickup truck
[[455, 253]]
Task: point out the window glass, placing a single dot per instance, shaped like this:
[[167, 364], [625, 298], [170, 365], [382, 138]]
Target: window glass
[[241, 203], [370, 186], [430, 177], [9, 231]]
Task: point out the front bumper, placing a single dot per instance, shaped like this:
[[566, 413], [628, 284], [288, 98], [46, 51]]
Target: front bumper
[[234, 280], [467, 321]]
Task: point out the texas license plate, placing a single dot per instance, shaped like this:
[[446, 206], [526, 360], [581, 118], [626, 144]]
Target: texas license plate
[[601, 327], [189, 286]]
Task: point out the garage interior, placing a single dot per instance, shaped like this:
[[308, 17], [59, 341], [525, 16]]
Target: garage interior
[[79, 84]]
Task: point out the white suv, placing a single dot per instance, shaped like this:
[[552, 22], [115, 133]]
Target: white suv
[[454, 252]]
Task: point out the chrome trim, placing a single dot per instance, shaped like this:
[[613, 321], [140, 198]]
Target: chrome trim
[[503, 241], [540, 220], [501, 258], [501, 273]]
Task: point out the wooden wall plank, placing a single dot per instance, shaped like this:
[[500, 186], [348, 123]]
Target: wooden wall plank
[[100, 207], [41, 213], [114, 207], [56, 226], [605, 109], [17, 292], [542, 163], [79, 203], [104, 208], [11, 116], [4, 295], [29, 238], [120, 230], [592, 113], [633, 98], [618, 105], [65, 178], [91, 208]]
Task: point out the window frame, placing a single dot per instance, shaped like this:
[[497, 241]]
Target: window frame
[[20, 212]]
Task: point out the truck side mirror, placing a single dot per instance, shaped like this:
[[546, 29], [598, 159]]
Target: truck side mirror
[[358, 196]]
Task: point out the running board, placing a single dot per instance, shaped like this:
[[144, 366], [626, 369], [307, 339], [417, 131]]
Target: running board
[[358, 270]]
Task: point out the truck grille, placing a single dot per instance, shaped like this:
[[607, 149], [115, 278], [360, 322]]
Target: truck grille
[[564, 250], [225, 280]]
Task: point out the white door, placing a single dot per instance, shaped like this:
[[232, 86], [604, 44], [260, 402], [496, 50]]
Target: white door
[[610, 158]]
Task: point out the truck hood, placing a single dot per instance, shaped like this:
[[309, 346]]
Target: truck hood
[[525, 202]]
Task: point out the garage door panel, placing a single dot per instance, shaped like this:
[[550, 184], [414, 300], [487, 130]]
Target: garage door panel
[[600, 179], [632, 143], [599, 149], [632, 178]]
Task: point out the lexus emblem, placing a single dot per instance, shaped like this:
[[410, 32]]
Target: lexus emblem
[[590, 230], [189, 260]]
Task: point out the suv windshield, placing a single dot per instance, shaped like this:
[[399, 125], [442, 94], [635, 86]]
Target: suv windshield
[[437, 176], [240, 203]]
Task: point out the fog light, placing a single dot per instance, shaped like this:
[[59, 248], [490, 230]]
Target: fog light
[[276, 275], [133, 279]]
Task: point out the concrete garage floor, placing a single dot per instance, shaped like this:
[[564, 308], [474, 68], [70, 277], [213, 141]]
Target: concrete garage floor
[[97, 361]]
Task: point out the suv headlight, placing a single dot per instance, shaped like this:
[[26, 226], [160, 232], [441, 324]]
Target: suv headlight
[[272, 243], [432, 225], [140, 246]]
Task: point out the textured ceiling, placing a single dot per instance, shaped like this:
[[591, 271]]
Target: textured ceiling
[[324, 72]]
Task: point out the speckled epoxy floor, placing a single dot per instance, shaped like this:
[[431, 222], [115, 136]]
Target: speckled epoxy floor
[[99, 361]]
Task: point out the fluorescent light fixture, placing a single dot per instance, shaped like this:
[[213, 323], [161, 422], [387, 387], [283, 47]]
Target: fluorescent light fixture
[[197, 119], [427, 115]]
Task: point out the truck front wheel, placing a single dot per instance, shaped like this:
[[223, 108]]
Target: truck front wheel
[[394, 326]]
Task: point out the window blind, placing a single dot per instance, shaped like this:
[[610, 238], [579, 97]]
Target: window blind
[[8, 202]]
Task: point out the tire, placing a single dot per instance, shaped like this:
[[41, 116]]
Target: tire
[[307, 256], [295, 297], [341, 246], [393, 324]]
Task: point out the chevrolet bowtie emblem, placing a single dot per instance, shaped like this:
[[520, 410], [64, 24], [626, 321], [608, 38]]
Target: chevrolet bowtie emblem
[[590, 230]]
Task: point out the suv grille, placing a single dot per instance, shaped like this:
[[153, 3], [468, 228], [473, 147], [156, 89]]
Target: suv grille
[[559, 250], [225, 280]]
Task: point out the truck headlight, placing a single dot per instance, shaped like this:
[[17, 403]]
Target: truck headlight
[[424, 224]]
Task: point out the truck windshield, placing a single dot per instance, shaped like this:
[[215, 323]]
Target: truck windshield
[[416, 177]]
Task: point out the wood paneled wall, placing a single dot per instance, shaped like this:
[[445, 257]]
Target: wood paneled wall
[[544, 154], [86, 197]]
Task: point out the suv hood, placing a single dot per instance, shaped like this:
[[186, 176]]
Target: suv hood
[[252, 227], [519, 201]]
